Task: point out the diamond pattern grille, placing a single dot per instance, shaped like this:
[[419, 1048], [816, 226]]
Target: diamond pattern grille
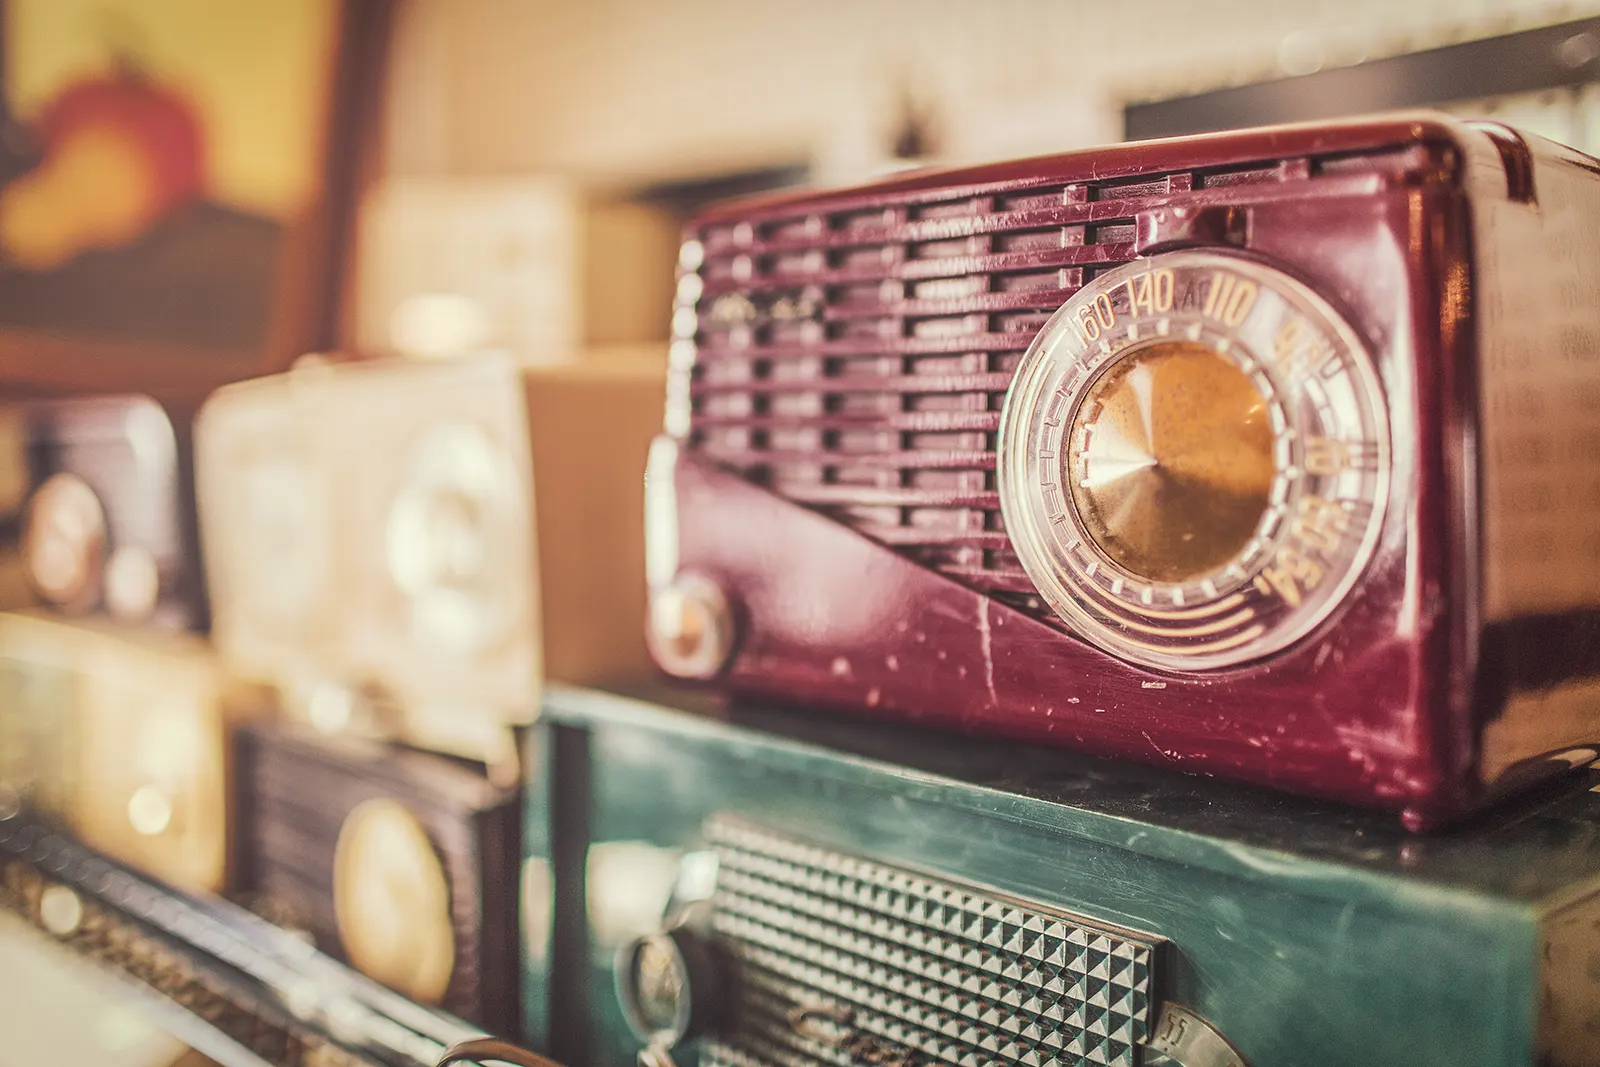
[[911, 970]]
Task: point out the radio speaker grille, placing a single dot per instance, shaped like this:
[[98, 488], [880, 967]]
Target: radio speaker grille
[[842, 960], [854, 355]]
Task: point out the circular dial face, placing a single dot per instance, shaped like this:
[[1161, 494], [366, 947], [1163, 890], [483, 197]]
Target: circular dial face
[[64, 541], [659, 987], [1194, 460], [392, 901], [450, 542]]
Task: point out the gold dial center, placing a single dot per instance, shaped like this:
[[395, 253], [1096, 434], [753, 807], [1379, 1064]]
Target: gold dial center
[[1172, 461], [392, 901]]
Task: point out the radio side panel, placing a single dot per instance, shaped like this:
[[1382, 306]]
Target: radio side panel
[[1536, 288]]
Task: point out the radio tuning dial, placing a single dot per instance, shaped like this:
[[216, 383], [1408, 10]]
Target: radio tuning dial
[[1175, 461], [1194, 460], [64, 541], [670, 990], [392, 900]]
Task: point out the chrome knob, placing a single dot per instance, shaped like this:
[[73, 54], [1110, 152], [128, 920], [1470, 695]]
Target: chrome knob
[[691, 627], [669, 987]]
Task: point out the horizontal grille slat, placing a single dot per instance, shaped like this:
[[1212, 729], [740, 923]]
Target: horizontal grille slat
[[903, 460], [910, 421], [1032, 298], [906, 962], [713, 349], [904, 535], [927, 268], [945, 229], [867, 496], [954, 383]]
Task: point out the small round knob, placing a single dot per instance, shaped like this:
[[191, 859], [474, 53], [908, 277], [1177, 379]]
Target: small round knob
[[391, 900], [64, 542], [150, 811], [60, 911], [132, 583], [691, 627], [668, 985]]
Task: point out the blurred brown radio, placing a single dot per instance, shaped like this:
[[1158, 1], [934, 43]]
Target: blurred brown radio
[[123, 734], [1268, 454], [94, 511], [373, 547], [403, 863]]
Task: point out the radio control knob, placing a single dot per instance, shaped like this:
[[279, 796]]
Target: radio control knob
[[670, 988], [64, 542], [1187, 1040], [60, 911], [150, 811], [691, 627]]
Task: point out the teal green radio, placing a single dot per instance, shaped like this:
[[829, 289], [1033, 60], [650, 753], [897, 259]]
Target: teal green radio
[[775, 889]]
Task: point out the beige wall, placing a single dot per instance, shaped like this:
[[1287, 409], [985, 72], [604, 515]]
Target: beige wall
[[628, 90]]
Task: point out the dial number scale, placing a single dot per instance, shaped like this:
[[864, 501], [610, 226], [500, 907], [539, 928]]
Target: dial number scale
[[1194, 460]]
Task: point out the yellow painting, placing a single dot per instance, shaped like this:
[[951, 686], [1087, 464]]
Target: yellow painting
[[154, 153]]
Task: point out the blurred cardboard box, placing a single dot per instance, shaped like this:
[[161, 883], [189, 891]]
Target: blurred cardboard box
[[534, 267]]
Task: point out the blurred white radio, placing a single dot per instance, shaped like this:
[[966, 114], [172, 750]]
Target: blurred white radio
[[372, 547]]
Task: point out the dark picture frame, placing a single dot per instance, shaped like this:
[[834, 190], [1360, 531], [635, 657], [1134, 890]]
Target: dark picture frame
[[307, 277]]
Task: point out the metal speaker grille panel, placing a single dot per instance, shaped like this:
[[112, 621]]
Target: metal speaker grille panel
[[853, 355], [878, 964]]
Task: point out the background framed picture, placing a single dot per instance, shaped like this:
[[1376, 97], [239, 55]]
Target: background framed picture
[[177, 181]]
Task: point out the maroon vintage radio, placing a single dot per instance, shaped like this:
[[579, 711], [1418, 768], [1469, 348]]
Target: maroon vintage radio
[[1270, 455]]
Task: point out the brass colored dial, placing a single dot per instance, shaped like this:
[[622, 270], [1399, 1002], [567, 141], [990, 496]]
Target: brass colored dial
[[1194, 460], [1175, 466], [392, 901]]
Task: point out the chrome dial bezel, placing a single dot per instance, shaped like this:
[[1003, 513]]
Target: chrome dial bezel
[[1324, 396]]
